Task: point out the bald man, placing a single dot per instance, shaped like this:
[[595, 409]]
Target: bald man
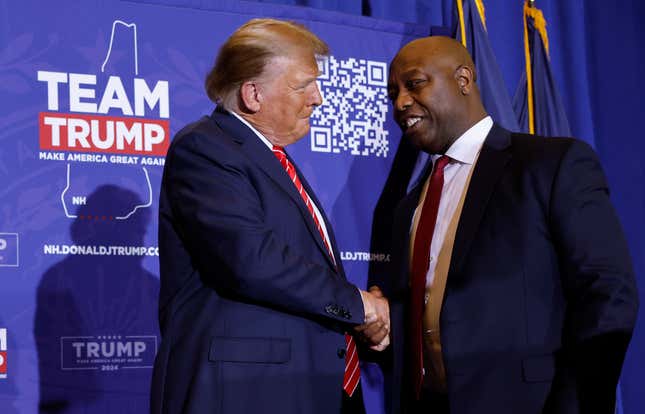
[[512, 289]]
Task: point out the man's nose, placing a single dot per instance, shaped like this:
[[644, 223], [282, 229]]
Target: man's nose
[[402, 102], [316, 97]]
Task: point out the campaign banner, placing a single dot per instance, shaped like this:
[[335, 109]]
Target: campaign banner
[[92, 94]]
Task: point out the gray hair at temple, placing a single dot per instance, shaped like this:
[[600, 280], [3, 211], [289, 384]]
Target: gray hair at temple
[[246, 54]]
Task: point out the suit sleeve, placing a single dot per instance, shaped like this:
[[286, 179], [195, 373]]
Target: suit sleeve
[[597, 278], [220, 215]]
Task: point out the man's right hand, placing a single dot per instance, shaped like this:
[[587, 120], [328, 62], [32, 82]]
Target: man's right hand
[[376, 329]]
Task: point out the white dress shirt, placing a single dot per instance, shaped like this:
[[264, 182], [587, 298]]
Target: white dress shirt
[[463, 154], [316, 211]]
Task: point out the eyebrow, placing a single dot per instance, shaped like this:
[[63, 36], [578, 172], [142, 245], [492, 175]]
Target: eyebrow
[[308, 80], [303, 83], [411, 72]]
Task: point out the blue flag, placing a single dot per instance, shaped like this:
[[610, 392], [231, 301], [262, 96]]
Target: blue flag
[[537, 104], [471, 31]]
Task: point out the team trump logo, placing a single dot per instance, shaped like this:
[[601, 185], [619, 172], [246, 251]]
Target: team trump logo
[[107, 112], [84, 126]]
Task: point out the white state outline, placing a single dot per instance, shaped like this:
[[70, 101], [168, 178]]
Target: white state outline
[[136, 50], [17, 250], [127, 216], [62, 363], [136, 72]]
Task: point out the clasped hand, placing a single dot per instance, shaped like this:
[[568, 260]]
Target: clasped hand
[[376, 329]]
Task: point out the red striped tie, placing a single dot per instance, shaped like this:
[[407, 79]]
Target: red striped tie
[[352, 369]]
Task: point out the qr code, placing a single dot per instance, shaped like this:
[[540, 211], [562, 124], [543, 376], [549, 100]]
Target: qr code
[[352, 115]]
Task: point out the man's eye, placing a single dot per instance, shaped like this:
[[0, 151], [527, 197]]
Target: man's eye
[[413, 83]]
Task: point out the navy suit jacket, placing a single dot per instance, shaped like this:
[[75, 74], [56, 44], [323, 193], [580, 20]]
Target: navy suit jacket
[[540, 300], [252, 309]]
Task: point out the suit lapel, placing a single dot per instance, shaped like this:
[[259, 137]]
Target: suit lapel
[[264, 159], [330, 232], [488, 170], [401, 235]]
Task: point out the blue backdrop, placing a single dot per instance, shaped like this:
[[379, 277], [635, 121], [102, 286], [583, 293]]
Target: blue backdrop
[[91, 93]]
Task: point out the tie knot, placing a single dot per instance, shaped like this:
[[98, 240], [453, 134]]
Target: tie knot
[[441, 162]]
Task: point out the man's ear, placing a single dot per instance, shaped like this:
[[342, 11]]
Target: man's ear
[[465, 78], [250, 96]]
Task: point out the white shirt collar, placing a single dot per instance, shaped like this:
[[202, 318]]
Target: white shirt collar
[[467, 146], [245, 122]]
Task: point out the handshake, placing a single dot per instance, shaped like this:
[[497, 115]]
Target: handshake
[[376, 329]]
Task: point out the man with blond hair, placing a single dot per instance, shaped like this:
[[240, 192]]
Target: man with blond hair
[[255, 311]]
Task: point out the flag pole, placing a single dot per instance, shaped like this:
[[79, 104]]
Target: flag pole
[[529, 75]]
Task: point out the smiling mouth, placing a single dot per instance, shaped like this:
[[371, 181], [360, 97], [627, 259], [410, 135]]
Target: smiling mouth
[[410, 123]]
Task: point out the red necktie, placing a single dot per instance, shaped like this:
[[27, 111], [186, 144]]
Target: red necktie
[[352, 369], [420, 262]]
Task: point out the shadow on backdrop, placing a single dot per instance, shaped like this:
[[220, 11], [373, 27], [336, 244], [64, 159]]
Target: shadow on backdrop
[[95, 327]]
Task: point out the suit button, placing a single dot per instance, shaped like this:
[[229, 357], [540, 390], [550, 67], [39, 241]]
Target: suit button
[[341, 352]]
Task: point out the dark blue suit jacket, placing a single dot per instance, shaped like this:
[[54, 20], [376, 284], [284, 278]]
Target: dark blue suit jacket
[[540, 300], [252, 309]]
